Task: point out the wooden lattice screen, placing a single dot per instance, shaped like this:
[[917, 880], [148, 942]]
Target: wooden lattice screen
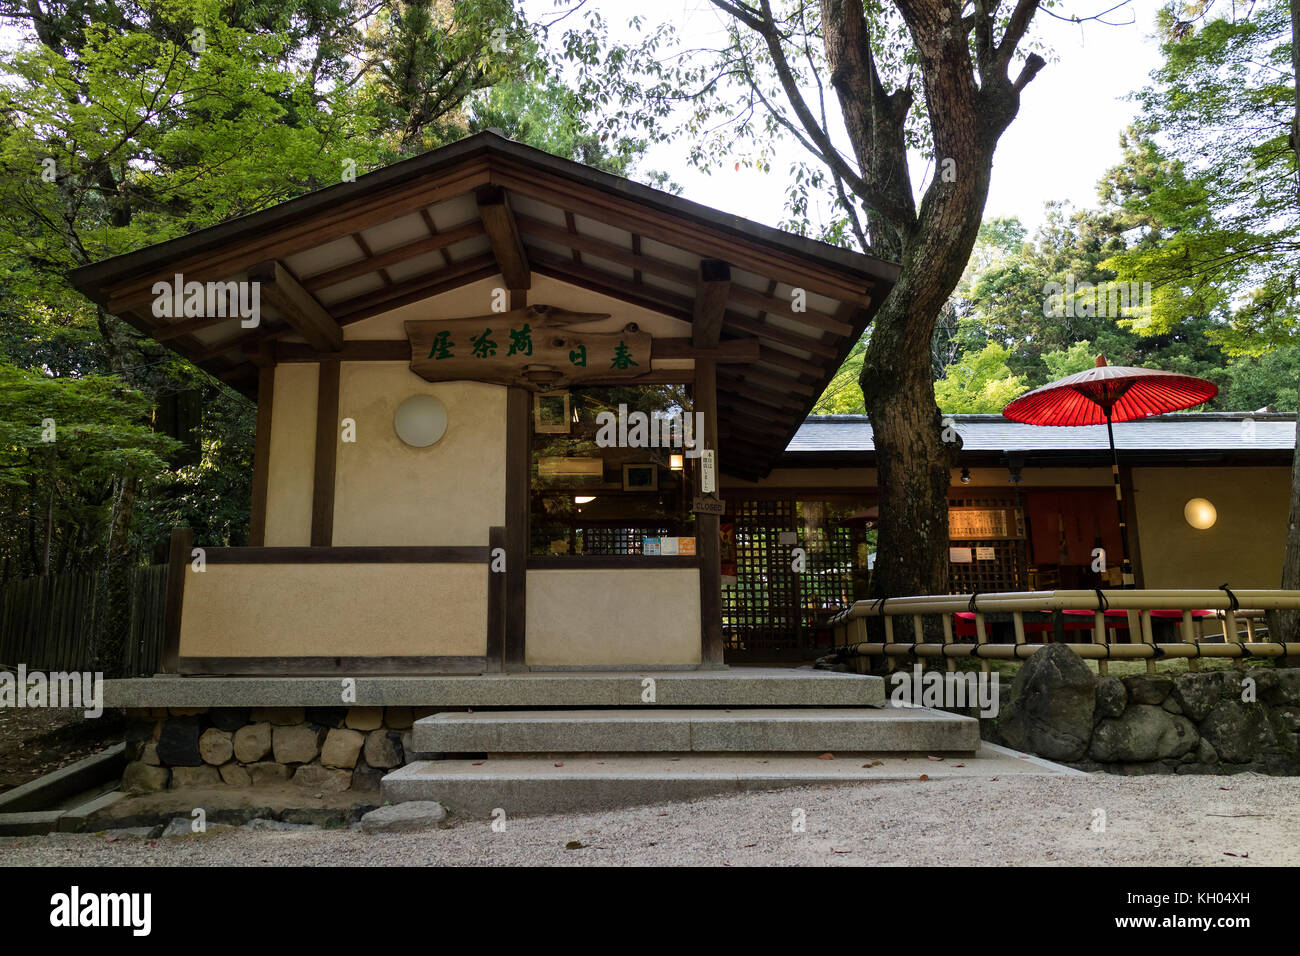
[[774, 612], [991, 532]]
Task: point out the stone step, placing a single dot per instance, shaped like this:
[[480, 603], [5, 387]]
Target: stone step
[[674, 730], [725, 687], [524, 786]]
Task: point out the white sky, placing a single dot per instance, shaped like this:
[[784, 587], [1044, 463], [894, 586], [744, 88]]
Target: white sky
[[1063, 140]]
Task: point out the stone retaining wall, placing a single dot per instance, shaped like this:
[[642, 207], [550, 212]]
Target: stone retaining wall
[[325, 749], [1212, 722]]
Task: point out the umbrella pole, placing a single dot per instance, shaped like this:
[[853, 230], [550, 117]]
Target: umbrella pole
[[1125, 568]]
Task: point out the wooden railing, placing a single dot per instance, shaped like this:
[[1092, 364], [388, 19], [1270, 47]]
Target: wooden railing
[[1137, 611]]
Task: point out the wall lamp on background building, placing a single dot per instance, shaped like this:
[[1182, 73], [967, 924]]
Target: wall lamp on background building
[[965, 476], [584, 499], [1015, 464], [420, 421], [1200, 514], [675, 462]]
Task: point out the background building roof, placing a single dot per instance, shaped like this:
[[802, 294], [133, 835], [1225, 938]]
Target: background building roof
[[1251, 435]]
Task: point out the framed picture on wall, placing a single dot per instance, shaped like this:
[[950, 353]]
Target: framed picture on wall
[[551, 413], [641, 477]]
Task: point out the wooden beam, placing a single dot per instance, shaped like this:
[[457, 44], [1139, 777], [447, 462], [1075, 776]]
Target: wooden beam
[[318, 666], [712, 288], [750, 426], [354, 350], [174, 330], [497, 601], [369, 304], [758, 393], [778, 383], [705, 400], [771, 356], [519, 408], [327, 445], [695, 237], [683, 275], [261, 456], [346, 218], [296, 305], [420, 247], [503, 234], [647, 297], [730, 352], [749, 326]]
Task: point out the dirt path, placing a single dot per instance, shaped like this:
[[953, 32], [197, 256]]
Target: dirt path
[[35, 741]]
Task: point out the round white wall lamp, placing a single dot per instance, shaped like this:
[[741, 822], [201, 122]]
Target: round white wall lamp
[[1200, 513], [420, 421]]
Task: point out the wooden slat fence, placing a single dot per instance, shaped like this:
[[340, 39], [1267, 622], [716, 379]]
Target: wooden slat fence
[[51, 623]]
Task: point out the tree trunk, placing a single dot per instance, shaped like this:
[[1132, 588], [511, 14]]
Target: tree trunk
[[912, 463], [915, 452], [110, 652], [1285, 625]]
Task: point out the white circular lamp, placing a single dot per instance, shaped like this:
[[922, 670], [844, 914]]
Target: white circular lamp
[[420, 421], [1200, 513]]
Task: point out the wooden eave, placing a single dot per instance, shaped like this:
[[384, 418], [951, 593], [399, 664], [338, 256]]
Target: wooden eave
[[487, 206]]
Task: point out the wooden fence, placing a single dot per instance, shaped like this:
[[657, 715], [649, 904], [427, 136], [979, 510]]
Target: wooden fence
[[53, 623]]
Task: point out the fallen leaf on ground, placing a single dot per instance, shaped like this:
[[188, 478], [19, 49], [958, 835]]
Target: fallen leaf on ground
[[574, 845], [925, 776], [826, 757], [936, 758]]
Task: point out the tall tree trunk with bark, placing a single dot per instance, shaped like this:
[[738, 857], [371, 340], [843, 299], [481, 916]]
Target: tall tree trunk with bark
[[1285, 626], [970, 100]]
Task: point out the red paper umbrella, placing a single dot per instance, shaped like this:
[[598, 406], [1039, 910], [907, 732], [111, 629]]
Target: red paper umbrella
[[1111, 393]]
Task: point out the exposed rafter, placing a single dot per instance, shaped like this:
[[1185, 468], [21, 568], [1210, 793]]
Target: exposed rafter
[[296, 305], [712, 288], [503, 234], [388, 257]]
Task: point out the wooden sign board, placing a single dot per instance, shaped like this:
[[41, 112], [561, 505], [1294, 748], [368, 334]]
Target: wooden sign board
[[536, 348], [976, 523], [709, 506]]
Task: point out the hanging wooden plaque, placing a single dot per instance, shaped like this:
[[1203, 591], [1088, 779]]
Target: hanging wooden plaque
[[538, 348]]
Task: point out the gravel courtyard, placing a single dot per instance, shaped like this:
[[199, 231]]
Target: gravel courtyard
[[1241, 820]]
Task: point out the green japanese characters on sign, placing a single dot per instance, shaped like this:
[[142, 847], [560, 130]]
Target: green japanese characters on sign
[[534, 347]]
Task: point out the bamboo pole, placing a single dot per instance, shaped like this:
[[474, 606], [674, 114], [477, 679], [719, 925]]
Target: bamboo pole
[[1088, 651]]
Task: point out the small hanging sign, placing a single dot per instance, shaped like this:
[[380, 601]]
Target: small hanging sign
[[708, 471]]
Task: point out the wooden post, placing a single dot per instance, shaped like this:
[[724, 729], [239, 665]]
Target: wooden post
[[178, 559], [708, 547], [497, 599], [518, 415], [327, 446], [261, 456]]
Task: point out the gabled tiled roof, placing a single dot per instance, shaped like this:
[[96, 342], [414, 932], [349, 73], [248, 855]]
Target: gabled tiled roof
[[1222, 432]]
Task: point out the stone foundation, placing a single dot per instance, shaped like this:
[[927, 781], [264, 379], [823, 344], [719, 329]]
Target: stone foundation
[[323, 749], [1209, 722]]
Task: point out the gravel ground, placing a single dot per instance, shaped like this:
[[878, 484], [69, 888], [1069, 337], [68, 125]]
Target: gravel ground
[[1164, 821]]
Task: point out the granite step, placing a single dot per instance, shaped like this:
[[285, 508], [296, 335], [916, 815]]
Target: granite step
[[532, 785], [682, 730], [724, 687]]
